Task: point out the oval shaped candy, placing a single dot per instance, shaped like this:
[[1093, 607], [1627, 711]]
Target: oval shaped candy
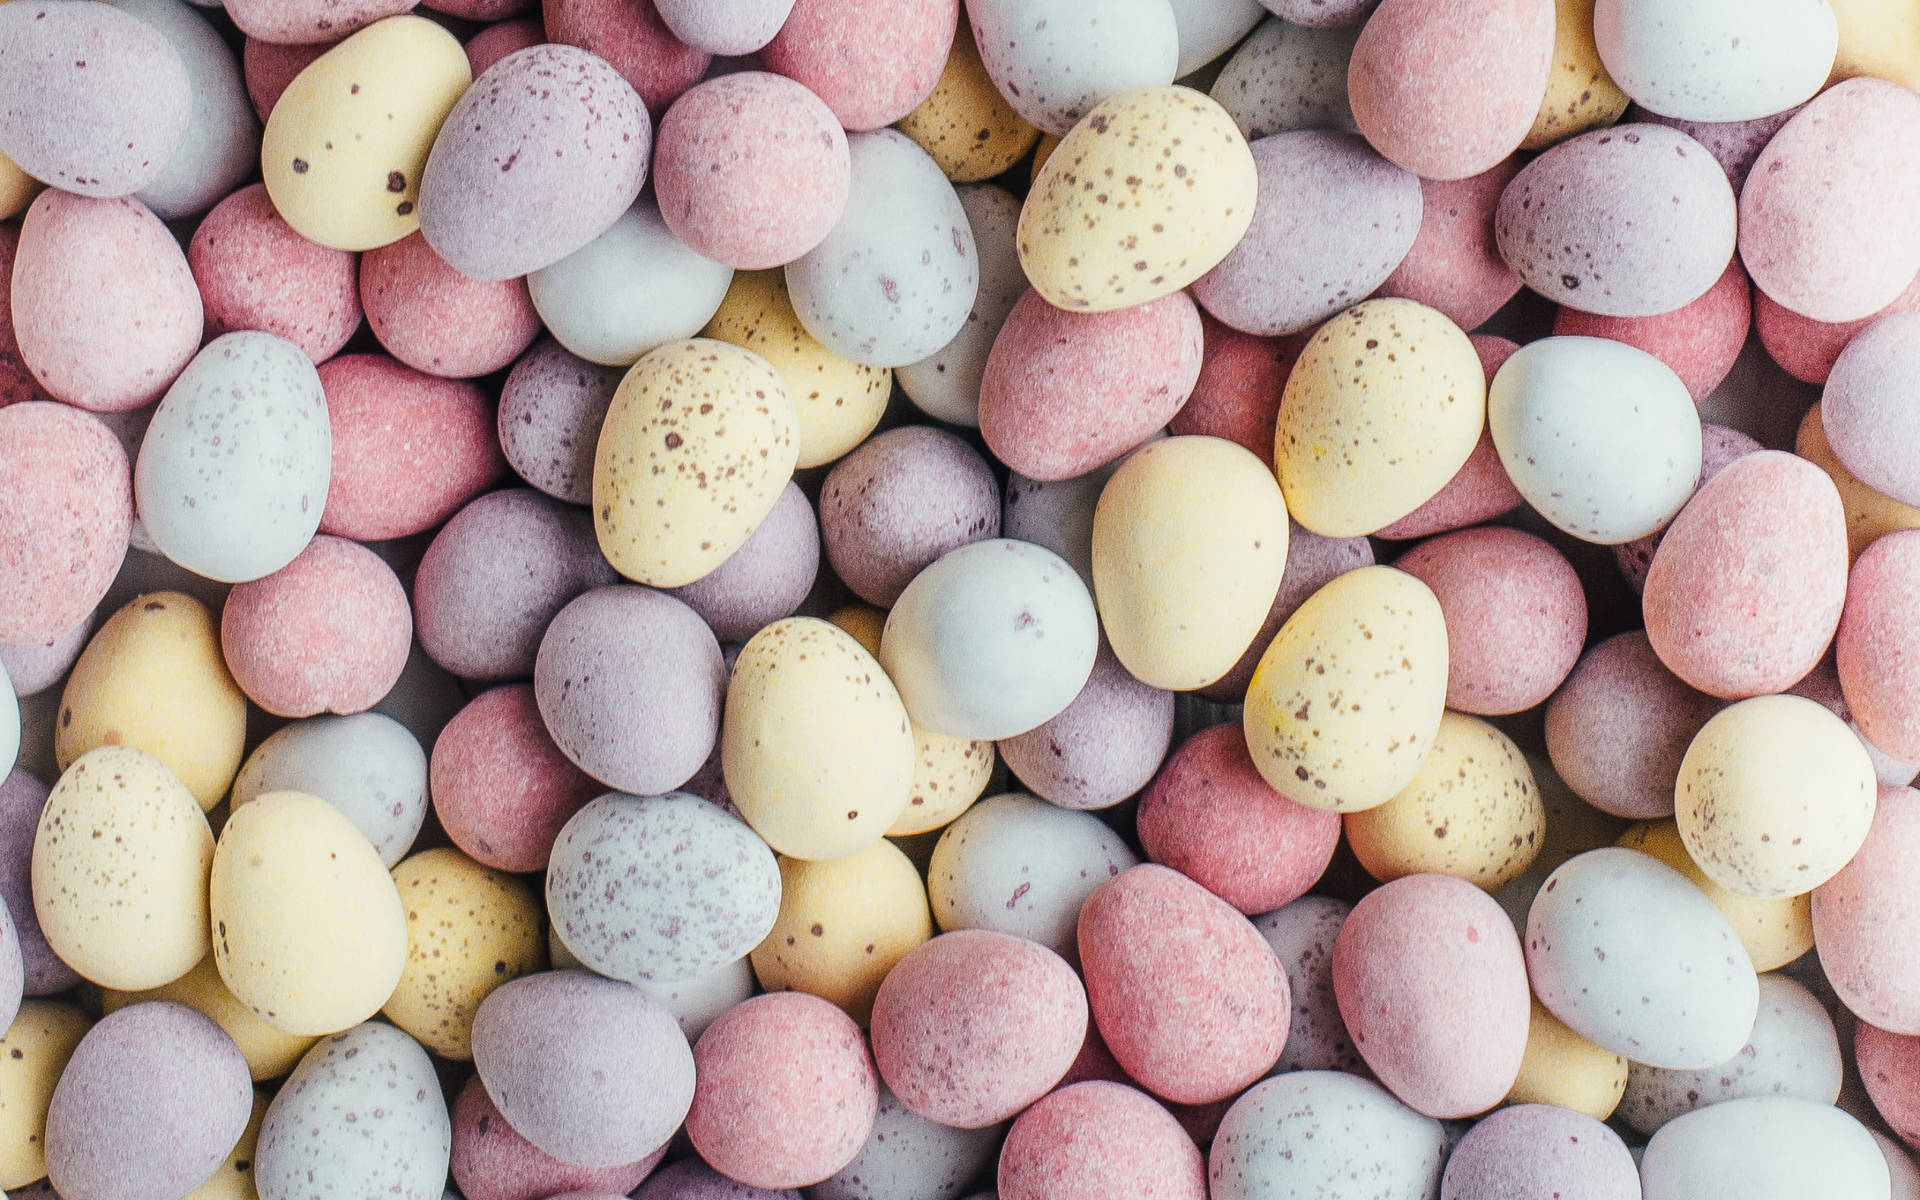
[[1764, 1148], [1723, 60], [1056, 59], [1539, 1149], [1861, 411], [1327, 1134], [872, 61], [1865, 915], [1874, 648]]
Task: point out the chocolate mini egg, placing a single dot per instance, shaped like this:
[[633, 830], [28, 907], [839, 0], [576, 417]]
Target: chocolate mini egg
[[1775, 931], [1455, 263], [366, 765], [1055, 60], [872, 61], [767, 578], [469, 930], [1620, 724], [1860, 409], [906, 1154], [1100, 749], [1538, 1149], [255, 272], [1722, 60], [491, 1161], [1864, 916], [67, 502], [1326, 1134], [1302, 935], [1874, 646], [1562, 1068], [551, 408], [900, 501], [965, 104], [1108, 1139], [38, 1043], [731, 27]]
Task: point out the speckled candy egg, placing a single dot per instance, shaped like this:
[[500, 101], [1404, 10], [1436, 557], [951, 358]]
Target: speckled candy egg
[[1097, 1139], [1861, 410], [362, 1114], [1287, 76], [1562, 406], [1101, 748], [767, 578], [304, 21], [1447, 90], [1054, 61], [233, 472], [691, 1179], [1886, 1062], [730, 27], [469, 930], [22, 797], [124, 902], [1863, 916], [900, 501], [1375, 635], [1302, 935], [1325, 1134], [551, 408], [102, 1136], [907, 1154], [255, 272], [1454, 264], [1764, 1148], [1536, 1149], [946, 385], [1634, 958], [531, 109], [1775, 931], [1650, 227], [493, 1162], [1619, 726], [1580, 93], [38, 1043], [1090, 250], [634, 40], [434, 319], [367, 765], [1383, 408], [1700, 340], [66, 508], [1723, 60], [1870, 515], [501, 788], [872, 61], [1874, 646], [309, 930], [965, 124], [1566, 1070]]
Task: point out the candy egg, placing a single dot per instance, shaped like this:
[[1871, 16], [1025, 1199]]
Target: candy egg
[[724, 27], [366, 765], [1874, 644], [1564, 1069], [491, 1161], [551, 408], [872, 61], [1700, 340], [39, 1042], [1325, 1133], [900, 501], [269, 1052], [1580, 93], [302, 21], [1860, 411], [1312, 561], [22, 797], [469, 930], [1302, 935], [66, 509], [1455, 263], [222, 141], [1055, 61], [1861, 917], [255, 272], [634, 41], [1100, 749], [1288, 76], [1619, 726], [1870, 515], [767, 578], [906, 1154], [1765, 1148], [948, 124], [1718, 61], [434, 319], [1881, 39], [946, 385], [1775, 931], [1531, 1149]]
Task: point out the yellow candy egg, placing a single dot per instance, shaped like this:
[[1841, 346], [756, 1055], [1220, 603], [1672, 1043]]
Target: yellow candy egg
[[469, 930], [1382, 409], [1472, 811], [347, 141], [1775, 795], [308, 929], [695, 449], [1580, 94], [120, 864], [153, 677], [1870, 515], [234, 1178], [865, 622], [1042, 151], [843, 925], [33, 1052], [270, 1053], [1189, 544], [837, 401], [815, 745], [17, 189], [1878, 37], [1561, 1067], [1775, 932], [1346, 701], [1145, 195], [965, 124]]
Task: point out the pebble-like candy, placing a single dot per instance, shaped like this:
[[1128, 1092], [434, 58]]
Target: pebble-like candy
[[66, 510]]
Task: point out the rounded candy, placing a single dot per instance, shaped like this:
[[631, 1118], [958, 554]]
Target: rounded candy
[[1874, 646], [434, 319], [1619, 726], [1302, 935], [901, 500], [1580, 93], [66, 509], [1566, 1070], [1054, 61], [1764, 1148], [1700, 340], [946, 385], [1097, 1139], [1327, 1134], [1861, 411], [634, 40], [255, 272], [551, 409], [724, 26], [948, 124], [906, 1154], [1288, 76], [300, 21], [872, 61], [501, 789], [1724, 60], [270, 1053], [767, 578], [1100, 749], [493, 1162], [1532, 1149], [1454, 264]]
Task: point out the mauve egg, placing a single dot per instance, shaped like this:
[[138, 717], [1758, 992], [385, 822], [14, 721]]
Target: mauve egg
[[551, 408], [1875, 650], [1454, 264], [1864, 408], [764, 580], [22, 796], [1540, 1149], [1287, 76], [1099, 1139], [1101, 748], [900, 501], [1619, 726], [493, 1162]]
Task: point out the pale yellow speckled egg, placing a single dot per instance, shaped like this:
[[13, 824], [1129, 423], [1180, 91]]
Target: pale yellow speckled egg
[[1561, 1067], [842, 926], [1189, 544], [120, 863], [1870, 515], [865, 622], [1145, 195], [347, 141], [699, 441], [815, 745], [1580, 94], [1381, 411], [270, 1053], [1775, 795], [1346, 701], [1775, 932], [153, 677], [234, 1178], [837, 401], [308, 928], [1880, 38], [965, 124], [1472, 811], [469, 929], [33, 1052]]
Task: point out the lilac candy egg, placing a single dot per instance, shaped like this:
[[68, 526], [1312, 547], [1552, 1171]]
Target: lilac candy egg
[[764, 580], [1541, 1150], [1312, 561], [900, 501], [1287, 76], [731, 27], [493, 1162], [1866, 409], [1302, 935], [22, 796], [34, 666], [1619, 726], [551, 408], [1103, 747], [691, 1179], [12, 969]]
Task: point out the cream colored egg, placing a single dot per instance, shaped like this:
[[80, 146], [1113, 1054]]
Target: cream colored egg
[[234, 1178], [1382, 409], [1580, 94], [815, 744], [1189, 544], [1472, 811], [1346, 701], [837, 401], [965, 124], [1878, 37], [1774, 932], [33, 1052], [843, 925], [469, 930], [1560, 1067], [695, 449], [347, 141], [153, 677], [1145, 195], [1870, 515], [270, 1053], [120, 864], [1775, 795], [308, 928]]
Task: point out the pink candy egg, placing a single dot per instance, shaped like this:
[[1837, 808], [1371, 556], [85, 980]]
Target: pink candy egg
[[786, 1091], [902, 499], [1865, 919], [1237, 395], [751, 170], [764, 580], [1101, 748], [254, 272], [1312, 560], [105, 310], [1095, 1141], [305, 21], [66, 511], [1432, 986], [434, 319], [501, 789], [1699, 340], [1745, 591], [1719, 446], [500, 39], [1454, 264], [872, 61], [1878, 647], [630, 35], [1618, 728], [1065, 392], [1866, 409], [16, 381], [1889, 1065], [492, 1162], [1210, 816], [271, 66], [22, 797], [1480, 490], [1807, 349], [551, 409], [1186, 992]]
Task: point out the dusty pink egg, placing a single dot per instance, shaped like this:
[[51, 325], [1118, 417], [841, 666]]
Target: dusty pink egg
[[1065, 392], [1867, 410], [1734, 144], [764, 580], [17, 383], [1867, 917], [1095, 1141], [1187, 994], [1878, 647], [483, 10], [1237, 395], [1432, 986], [255, 272], [1516, 615], [1480, 490], [902, 499], [1889, 1064], [492, 1162], [1822, 686], [306, 21], [105, 310], [66, 511], [1101, 748], [1210, 816], [1454, 264], [872, 61], [551, 409], [500, 39], [408, 448], [751, 170], [785, 1091], [1827, 228], [1807, 349], [1541, 1150], [1619, 726], [1719, 446], [434, 319], [1745, 591], [1312, 560], [1699, 340], [328, 632], [1448, 88], [270, 66], [501, 789], [973, 1026], [630, 35]]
